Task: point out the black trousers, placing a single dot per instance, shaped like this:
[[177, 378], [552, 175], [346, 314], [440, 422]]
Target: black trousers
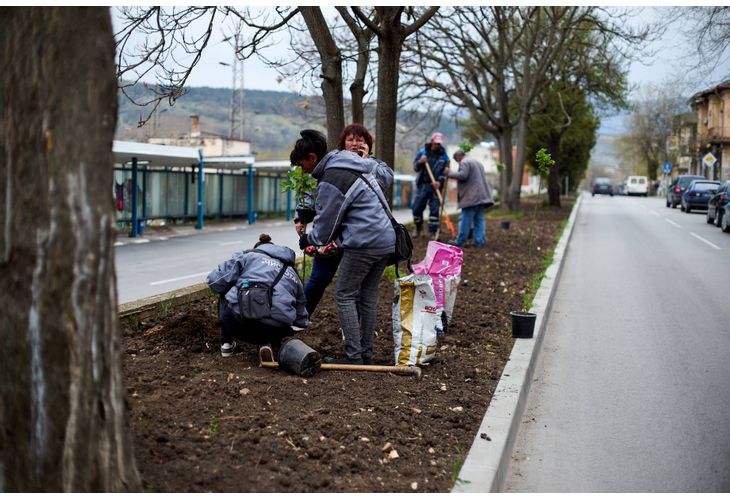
[[248, 330]]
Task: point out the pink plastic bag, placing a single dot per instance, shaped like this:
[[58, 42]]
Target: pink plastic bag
[[441, 260]]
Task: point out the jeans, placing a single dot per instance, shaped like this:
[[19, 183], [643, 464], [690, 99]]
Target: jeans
[[357, 290], [323, 271], [471, 216], [426, 195]]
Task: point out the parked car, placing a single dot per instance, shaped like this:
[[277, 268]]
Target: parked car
[[679, 186], [637, 185], [621, 189], [698, 194], [602, 185], [716, 205]]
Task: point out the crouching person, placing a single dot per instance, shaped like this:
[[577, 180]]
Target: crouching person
[[261, 296]]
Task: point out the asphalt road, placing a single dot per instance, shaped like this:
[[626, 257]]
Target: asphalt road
[[632, 387], [149, 266]]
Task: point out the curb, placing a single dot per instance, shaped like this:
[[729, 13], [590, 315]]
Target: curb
[[485, 466]]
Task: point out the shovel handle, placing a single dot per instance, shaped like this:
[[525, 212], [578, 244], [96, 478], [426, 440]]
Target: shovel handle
[[400, 370]]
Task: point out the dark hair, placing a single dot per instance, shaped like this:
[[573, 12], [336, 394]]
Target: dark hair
[[312, 141], [263, 238], [358, 130]]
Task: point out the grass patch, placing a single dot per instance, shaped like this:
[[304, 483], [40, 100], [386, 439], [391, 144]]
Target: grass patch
[[499, 213], [458, 463]]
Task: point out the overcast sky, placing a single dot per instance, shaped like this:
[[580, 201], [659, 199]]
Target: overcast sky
[[672, 59]]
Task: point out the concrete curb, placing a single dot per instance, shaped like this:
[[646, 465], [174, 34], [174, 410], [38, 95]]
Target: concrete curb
[[486, 465]]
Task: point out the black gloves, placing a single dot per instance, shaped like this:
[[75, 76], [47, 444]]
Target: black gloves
[[303, 242], [305, 215]]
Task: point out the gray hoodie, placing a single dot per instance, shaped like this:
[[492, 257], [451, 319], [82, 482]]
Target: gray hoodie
[[288, 304], [349, 211], [472, 187]]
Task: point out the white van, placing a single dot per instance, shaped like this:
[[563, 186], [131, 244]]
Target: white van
[[637, 185]]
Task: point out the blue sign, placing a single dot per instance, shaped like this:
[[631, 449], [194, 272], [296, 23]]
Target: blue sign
[[667, 167]]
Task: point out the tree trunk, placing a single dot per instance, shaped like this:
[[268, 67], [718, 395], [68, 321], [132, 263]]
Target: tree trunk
[[389, 50], [504, 140], [331, 57], [63, 419], [553, 147], [515, 189]]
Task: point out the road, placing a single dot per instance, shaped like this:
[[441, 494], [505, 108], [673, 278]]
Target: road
[[631, 392], [157, 266]]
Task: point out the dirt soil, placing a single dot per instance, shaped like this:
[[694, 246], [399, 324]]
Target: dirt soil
[[204, 423]]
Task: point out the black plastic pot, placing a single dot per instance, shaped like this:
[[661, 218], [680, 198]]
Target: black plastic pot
[[504, 224], [298, 358], [523, 324]]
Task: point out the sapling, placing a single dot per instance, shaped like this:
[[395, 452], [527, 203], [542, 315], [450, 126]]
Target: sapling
[[303, 186], [543, 162]]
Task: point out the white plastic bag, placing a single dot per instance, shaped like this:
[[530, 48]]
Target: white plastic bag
[[415, 317]]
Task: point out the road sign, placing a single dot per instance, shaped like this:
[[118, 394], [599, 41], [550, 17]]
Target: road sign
[[709, 160], [667, 167]]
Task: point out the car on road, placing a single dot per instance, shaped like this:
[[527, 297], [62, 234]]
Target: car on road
[[621, 189], [697, 194], [679, 186], [716, 204], [602, 185], [637, 185]]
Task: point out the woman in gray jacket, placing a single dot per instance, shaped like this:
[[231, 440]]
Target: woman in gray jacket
[[349, 210], [262, 297]]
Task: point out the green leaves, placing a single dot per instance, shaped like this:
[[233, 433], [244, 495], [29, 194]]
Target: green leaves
[[299, 182], [543, 161], [466, 146]]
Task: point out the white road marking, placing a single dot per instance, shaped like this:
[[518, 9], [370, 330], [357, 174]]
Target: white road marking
[[163, 238], [230, 243], [118, 244], [705, 241], [178, 279], [653, 212], [673, 223], [143, 240]]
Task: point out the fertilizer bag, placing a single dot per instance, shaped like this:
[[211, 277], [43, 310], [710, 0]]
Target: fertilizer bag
[[415, 317]]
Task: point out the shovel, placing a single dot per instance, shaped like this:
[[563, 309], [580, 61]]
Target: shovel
[[449, 224], [293, 364]]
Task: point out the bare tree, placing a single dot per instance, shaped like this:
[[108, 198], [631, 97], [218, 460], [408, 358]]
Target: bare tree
[[63, 419], [650, 125], [496, 61]]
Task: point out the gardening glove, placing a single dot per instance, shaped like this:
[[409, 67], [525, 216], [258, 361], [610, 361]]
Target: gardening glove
[[303, 242]]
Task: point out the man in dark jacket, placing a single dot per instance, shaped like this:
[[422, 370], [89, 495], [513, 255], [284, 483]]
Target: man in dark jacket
[[473, 197], [435, 154]]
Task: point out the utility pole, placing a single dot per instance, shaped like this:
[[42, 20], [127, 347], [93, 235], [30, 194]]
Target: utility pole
[[236, 106]]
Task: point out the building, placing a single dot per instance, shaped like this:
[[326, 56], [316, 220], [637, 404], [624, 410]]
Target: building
[[682, 145], [713, 129], [214, 145]]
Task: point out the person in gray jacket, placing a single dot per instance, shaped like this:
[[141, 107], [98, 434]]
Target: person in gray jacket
[[262, 297], [473, 195], [349, 210]]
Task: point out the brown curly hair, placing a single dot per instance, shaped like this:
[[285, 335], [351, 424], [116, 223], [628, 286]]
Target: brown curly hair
[[358, 130]]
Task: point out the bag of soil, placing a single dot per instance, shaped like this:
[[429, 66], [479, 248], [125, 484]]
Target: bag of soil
[[415, 319], [443, 264]]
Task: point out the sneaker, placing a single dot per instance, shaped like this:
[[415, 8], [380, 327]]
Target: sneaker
[[228, 348], [329, 360], [415, 233], [367, 360]]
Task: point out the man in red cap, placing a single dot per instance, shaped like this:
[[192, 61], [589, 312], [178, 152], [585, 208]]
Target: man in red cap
[[435, 154]]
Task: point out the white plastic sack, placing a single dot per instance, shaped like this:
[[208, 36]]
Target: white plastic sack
[[415, 318]]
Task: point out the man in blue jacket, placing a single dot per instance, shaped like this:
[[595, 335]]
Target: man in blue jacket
[[435, 154]]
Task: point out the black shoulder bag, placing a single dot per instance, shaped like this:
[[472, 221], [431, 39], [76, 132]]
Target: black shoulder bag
[[403, 241], [255, 298]]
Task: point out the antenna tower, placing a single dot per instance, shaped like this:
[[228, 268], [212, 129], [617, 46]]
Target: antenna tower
[[236, 108]]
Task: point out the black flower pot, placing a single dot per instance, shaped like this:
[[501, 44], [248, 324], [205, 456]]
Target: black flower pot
[[523, 324], [504, 224]]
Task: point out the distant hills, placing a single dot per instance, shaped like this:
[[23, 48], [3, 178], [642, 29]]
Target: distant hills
[[272, 122]]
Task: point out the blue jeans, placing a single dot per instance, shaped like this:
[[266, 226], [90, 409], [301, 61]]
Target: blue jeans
[[323, 271], [471, 216], [426, 195]]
